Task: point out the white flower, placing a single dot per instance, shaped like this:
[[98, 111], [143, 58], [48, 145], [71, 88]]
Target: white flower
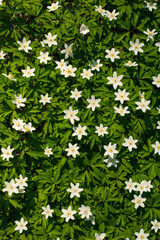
[[1, 2], [2, 55], [71, 115], [28, 72], [111, 161], [92, 219], [7, 153], [11, 187], [158, 127], [112, 54], [18, 124], [121, 95], [112, 15], [10, 76], [47, 211], [61, 64], [68, 214], [122, 111], [42, 43], [141, 235], [156, 147], [138, 200], [44, 57], [148, 185], [19, 101], [84, 29], [100, 237], [143, 105], [85, 211], [155, 225], [151, 5], [110, 150], [68, 71], [93, 103], [50, 39], [150, 34], [24, 45], [45, 99], [68, 50], [86, 73], [131, 64], [21, 182], [115, 80], [79, 131], [21, 190], [96, 65], [156, 80], [101, 130], [130, 143], [136, 47], [53, 7], [130, 185], [158, 108], [142, 95], [141, 187], [72, 150], [28, 127], [48, 151], [100, 10], [21, 225], [74, 190], [158, 45], [76, 94]]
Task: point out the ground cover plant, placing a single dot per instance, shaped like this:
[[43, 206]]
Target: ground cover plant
[[79, 120]]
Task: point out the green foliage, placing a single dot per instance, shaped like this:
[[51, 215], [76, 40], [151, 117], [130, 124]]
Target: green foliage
[[50, 177]]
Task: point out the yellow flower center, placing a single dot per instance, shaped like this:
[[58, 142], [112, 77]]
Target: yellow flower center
[[110, 150], [85, 211], [24, 45], [69, 50], [138, 201], [68, 71], [121, 111], [111, 15], [80, 131], [10, 76], [71, 115], [68, 214], [112, 54], [21, 225], [101, 10], [54, 7], [142, 237]]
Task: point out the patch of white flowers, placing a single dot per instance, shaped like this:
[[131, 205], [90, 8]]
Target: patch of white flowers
[[68, 72]]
